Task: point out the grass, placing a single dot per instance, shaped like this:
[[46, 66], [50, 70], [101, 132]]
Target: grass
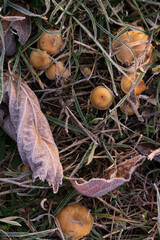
[[89, 140]]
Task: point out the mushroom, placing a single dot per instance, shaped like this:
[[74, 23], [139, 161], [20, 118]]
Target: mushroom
[[25, 168], [126, 84], [50, 42], [136, 40], [75, 221], [61, 70], [51, 72], [57, 69], [86, 71], [127, 108], [39, 59], [101, 97]]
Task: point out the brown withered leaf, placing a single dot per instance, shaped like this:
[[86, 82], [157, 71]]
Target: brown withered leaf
[[18, 22], [150, 150], [28, 126], [146, 147], [97, 187], [9, 40], [22, 27]]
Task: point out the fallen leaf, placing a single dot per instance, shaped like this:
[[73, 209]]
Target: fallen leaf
[[146, 147], [9, 40], [23, 27], [19, 22], [150, 150], [28, 126], [97, 187]]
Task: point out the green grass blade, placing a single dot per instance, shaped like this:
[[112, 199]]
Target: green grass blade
[[91, 17], [65, 200], [113, 10], [150, 2], [79, 109], [1, 62], [62, 124], [85, 158], [158, 206], [48, 5], [157, 94], [24, 11], [109, 65], [141, 15], [77, 65]]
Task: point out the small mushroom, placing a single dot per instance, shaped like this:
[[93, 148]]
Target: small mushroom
[[75, 221], [101, 97], [39, 59], [51, 72], [57, 69], [126, 84], [86, 71], [127, 108], [50, 42], [61, 70], [136, 40], [25, 168], [152, 59]]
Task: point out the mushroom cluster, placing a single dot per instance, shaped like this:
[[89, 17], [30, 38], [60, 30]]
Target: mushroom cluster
[[130, 46], [75, 221], [126, 85], [134, 44], [49, 43]]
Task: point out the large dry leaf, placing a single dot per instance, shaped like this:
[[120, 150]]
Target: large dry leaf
[[113, 178], [28, 126], [21, 24]]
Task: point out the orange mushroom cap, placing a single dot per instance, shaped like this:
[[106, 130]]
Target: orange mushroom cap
[[51, 72], [86, 71], [101, 97], [75, 221], [127, 108], [135, 40], [126, 84], [57, 69], [61, 70], [39, 60], [50, 42]]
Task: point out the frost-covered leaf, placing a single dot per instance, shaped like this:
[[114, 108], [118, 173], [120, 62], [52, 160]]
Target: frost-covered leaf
[[26, 124], [22, 27], [19, 23], [97, 187]]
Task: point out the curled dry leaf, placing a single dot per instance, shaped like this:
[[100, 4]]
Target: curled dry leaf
[[150, 150], [113, 178], [28, 126], [19, 22], [146, 147]]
